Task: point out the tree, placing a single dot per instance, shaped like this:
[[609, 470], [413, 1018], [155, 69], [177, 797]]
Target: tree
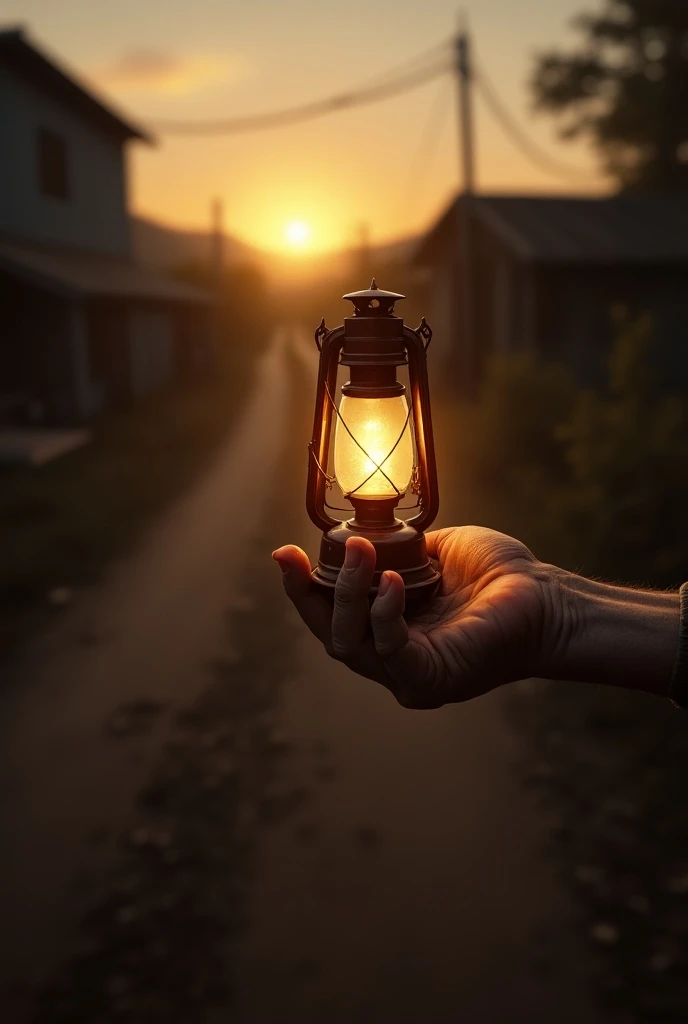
[[627, 451], [625, 88]]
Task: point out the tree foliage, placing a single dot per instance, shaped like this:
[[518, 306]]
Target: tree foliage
[[596, 481], [625, 88], [627, 451]]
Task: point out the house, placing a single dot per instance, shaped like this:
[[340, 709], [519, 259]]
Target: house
[[82, 327], [546, 272]]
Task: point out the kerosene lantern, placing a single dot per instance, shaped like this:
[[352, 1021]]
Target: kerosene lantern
[[373, 444]]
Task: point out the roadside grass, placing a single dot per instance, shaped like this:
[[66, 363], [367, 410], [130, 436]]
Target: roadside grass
[[60, 524], [608, 766]]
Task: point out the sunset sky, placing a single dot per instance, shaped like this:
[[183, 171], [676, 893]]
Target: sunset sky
[[314, 184]]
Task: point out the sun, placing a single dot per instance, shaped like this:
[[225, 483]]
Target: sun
[[297, 234]]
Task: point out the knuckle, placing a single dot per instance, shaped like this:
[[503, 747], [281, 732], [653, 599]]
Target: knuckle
[[355, 580], [377, 614], [384, 648], [291, 588], [346, 592], [340, 649], [389, 638]]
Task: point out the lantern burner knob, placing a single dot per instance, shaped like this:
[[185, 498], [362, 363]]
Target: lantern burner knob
[[373, 301]]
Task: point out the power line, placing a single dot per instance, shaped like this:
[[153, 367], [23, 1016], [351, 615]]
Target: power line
[[422, 160], [440, 49], [390, 85], [402, 78], [530, 149]]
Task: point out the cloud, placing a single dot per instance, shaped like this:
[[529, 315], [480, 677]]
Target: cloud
[[160, 73]]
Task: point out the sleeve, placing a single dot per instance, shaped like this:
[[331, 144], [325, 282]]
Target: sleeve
[[678, 686]]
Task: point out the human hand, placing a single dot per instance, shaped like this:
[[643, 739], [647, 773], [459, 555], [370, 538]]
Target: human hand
[[495, 617]]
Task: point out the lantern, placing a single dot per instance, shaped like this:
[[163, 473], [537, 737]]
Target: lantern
[[372, 439]]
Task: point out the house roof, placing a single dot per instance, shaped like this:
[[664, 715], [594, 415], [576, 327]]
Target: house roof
[[574, 230], [26, 59], [75, 273]]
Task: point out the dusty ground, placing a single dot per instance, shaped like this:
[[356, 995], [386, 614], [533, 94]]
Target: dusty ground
[[611, 766], [209, 819]]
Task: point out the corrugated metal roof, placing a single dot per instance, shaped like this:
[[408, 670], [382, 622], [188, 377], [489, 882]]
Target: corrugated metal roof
[[20, 53], [78, 273], [577, 230]]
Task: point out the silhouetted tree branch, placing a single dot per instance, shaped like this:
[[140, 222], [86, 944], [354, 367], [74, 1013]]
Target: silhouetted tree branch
[[626, 90]]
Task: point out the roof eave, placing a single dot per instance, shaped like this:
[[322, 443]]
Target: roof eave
[[17, 42]]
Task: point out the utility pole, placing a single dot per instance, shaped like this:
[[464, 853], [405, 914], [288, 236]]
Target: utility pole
[[364, 268], [464, 298], [217, 243], [464, 71], [217, 260]]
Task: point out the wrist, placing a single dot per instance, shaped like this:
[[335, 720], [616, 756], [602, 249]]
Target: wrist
[[612, 635]]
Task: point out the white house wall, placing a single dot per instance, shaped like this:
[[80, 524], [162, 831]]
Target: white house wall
[[94, 216]]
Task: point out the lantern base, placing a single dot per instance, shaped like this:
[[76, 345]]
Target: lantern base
[[399, 547]]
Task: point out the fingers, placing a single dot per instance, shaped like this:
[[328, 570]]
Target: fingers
[[372, 642], [296, 577], [351, 616], [435, 541], [295, 566], [391, 635], [390, 631]]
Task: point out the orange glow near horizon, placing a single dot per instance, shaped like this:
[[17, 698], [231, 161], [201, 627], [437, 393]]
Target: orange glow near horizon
[[372, 165]]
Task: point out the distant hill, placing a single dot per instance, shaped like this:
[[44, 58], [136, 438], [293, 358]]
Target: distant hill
[[162, 247], [156, 245]]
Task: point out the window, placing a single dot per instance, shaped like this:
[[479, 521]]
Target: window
[[53, 172]]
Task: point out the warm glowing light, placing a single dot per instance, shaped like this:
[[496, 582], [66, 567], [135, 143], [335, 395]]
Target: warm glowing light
[[298, 234], [376, 423]]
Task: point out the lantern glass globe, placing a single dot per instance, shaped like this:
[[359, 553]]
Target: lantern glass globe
[[376, 425]]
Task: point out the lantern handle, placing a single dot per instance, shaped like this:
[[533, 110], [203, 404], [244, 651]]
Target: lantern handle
[[329, 344], [424, 330], [416, 346], [321, 332]]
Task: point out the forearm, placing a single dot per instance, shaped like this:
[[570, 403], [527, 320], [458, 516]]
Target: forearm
[[616, 635]]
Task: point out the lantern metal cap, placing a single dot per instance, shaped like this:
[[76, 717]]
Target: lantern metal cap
[[373, 301]]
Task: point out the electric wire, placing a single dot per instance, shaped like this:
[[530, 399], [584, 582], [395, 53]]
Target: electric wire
[[421, 163], [530, 149], [414, 63], [374, 93], [412, 74]]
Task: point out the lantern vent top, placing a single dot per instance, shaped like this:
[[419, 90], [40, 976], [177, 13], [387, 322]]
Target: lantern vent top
[[373, 301]]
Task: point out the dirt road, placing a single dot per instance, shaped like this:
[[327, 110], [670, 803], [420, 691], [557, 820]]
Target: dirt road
[[391, 865]]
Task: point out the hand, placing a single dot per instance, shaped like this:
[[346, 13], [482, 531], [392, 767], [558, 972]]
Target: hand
[[484, 627]]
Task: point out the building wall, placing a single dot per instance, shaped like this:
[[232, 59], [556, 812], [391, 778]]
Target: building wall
[[440, 317], [562, 312], [94, 216], [133, 348], [576, 325], [36, 366], [151, 348]]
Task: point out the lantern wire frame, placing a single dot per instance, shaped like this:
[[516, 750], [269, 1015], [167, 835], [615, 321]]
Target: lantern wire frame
[[330, 480]]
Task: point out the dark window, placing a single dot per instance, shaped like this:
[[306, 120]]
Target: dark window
[[53, 172]]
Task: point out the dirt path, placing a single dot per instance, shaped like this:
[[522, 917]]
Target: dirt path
[[392, 866], [412, 884]]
